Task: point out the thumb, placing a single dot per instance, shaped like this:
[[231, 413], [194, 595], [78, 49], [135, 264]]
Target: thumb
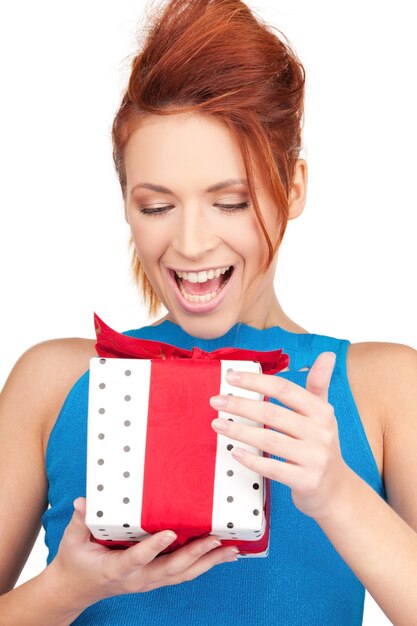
[[78, 519], [320, 374]]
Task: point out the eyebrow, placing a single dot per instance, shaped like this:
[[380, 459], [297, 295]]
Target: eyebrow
[[215, 187]]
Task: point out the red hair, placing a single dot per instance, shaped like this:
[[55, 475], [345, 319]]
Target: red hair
[[216, 57]]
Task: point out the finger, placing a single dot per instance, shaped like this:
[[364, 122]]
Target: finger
[[146, 550], [263, 412], [264, 439], [292, 395], [77, 524], [320, 374], [188, 561], [286, 473], [202, 565]]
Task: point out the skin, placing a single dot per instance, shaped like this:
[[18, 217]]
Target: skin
[[187, 153], [377, 540]]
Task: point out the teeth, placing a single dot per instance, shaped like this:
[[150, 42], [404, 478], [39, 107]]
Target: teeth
[[204, 298], [202, 277]]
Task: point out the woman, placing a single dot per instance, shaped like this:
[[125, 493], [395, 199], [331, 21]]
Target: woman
[[214, 97]]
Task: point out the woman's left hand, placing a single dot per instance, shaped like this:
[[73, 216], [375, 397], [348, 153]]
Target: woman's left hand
[[308, 435]]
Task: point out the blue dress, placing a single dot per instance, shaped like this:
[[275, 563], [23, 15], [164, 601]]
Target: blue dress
[[302, 582]]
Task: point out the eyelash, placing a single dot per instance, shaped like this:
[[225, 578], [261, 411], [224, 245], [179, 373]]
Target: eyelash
[[226, 208]]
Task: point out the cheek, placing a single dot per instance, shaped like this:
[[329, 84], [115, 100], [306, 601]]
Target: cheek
[[250, 241], [150, 242]]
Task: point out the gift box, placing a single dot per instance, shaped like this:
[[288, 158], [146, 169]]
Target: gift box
[[155, 463]]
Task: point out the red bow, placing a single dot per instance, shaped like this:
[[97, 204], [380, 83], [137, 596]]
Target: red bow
[[113, 344]]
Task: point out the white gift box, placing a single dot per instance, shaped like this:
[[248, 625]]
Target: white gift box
[[117, 438]]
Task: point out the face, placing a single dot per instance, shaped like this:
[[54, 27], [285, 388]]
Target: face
[[189, 213]]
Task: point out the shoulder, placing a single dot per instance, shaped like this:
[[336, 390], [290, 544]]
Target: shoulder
[[29, 404], [43, 376], [387, 371], [57, 360], [386, 375]]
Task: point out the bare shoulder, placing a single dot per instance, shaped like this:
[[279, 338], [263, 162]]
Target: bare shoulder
[[383, 377], [29, 405], [45, 373], [385, 371]]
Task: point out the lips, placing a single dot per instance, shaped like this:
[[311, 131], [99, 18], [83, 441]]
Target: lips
[[196, 306]]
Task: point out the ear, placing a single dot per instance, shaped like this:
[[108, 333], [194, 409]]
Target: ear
[[298, 194]]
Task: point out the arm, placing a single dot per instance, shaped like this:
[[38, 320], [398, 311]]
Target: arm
[[378, 540], [40, 601], [24, 406]]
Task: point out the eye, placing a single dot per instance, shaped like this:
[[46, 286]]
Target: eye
[[157, 212], [233, 208], [225, 208]]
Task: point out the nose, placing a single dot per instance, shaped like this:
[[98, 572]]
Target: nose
[[193, 238]]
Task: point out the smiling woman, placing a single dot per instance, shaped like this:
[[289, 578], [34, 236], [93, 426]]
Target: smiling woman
[[256, 122], [207, 151], [204, 223]]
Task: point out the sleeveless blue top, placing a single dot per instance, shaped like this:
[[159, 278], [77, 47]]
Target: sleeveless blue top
[[302, 581]]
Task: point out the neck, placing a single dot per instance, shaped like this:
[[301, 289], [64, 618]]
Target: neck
[[275, 317]]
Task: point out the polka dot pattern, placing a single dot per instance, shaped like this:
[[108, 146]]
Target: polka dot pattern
[[116, 443]]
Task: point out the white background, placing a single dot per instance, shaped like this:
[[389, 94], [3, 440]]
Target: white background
[[347, 265]]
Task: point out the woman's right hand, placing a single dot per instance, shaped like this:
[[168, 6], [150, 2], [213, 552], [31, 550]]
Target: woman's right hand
[[92, 572]]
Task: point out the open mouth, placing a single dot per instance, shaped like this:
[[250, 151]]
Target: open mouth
[[203, 291]]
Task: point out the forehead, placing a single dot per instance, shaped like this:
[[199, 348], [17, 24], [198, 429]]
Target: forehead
[[186, 143]]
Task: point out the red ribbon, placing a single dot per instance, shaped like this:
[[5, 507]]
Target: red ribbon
[[113, 344], [180, 449]]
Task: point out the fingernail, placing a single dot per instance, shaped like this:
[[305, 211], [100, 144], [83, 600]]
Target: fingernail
[[233, 377], [218, 401], [221, 425], [168, 538], [231, 555]]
